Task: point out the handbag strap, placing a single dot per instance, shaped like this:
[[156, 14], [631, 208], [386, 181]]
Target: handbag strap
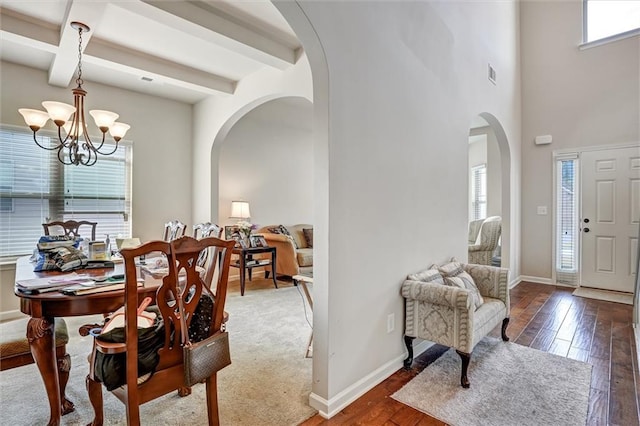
[[184, 331]]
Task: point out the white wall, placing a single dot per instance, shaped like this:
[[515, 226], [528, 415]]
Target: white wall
[[161, 134], [267, 159], [581, 97], [404, 81]]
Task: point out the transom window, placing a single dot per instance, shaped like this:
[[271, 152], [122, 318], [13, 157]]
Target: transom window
[[610, 18], [36, 188]]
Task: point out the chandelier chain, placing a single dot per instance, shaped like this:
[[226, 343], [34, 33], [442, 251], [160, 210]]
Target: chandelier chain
[[79, 80]]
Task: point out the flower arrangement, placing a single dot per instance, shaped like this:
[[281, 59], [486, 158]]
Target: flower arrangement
[[245, 228]]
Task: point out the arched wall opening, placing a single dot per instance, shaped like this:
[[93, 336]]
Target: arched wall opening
[[502, 198]]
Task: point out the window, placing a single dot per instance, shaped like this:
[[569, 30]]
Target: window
[[479, 192], [609, 18], [39, 189], [566, 220]]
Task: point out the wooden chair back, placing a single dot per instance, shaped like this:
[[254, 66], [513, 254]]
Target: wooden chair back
[[173, 229], [71, 228], [182, 281]]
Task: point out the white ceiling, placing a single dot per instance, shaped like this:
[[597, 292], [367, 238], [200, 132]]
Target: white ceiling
[[189, 49]]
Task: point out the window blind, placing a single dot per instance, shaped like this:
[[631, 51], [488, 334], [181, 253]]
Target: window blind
[[36, 188], [566, 221], [479, 192]]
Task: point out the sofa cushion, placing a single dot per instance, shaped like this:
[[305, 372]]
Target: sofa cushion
[[304, 257], [455, 276], [308, 236]]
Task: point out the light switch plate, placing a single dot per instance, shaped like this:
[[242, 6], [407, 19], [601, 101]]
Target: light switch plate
[[542, 210]]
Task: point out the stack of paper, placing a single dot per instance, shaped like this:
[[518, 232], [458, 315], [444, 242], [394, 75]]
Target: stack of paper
[[43, 285]]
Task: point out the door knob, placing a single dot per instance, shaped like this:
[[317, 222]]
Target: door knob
[[586, 220], [586, 229]]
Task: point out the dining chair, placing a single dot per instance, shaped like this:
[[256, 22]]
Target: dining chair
[[15, 351], [71, 228], [173, 229], [169, 372], [206, 229]]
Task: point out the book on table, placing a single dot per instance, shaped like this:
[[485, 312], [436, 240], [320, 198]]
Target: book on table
[[96, 287], [43, 285]]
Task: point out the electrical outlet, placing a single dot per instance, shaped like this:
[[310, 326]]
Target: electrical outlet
[[391, 322]]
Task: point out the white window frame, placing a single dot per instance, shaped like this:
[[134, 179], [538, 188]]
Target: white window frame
[[598, 42], [475, 197], [557, 158]]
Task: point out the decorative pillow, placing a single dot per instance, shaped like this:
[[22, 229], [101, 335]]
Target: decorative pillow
[[455, 276], [428, 275], [281, 229], [308, 236]]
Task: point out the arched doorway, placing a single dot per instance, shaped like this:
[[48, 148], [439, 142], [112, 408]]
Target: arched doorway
[[489, 154]]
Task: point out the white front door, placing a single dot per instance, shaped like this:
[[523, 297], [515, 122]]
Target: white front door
[[610, 215]]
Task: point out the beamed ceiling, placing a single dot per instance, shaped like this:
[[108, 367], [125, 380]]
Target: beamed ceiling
[[182, 50]]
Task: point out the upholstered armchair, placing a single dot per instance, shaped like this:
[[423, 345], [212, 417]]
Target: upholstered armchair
[[481, 252], [447, 314], [474, 230]]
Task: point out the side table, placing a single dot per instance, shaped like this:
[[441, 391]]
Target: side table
[[246, 262]]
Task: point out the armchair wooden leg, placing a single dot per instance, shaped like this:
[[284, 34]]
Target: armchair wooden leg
[[505, 323], [408, 341], [464, 381]]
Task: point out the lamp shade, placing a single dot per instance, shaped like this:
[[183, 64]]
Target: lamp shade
[[240, 210]]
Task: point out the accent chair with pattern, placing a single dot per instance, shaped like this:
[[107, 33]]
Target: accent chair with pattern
[[482, 251], [455, 305]]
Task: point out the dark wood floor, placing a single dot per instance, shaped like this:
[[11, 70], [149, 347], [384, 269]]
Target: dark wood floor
[[547, 318]]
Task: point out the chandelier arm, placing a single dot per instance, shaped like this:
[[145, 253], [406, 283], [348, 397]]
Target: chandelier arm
[[107, 153], [45, 147], [63, 142], [62, 156]]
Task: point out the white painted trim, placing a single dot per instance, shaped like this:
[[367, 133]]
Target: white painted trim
[[329, 408], [11, 315], [636, 332], [533, 279], [561, 152]]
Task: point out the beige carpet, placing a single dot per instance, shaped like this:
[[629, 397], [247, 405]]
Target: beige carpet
[[607, 296], [268, 382], [510, 385]]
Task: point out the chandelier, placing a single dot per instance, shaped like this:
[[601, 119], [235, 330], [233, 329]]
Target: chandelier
[[74, 145]]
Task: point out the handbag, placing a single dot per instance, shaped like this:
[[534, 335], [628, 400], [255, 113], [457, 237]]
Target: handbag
[[204, 358]]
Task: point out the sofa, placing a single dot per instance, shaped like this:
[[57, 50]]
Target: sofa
[[294, 252], [455, 305]]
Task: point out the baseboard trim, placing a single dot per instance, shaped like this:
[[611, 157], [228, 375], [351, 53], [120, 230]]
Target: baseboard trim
[[329, 408], [11, 315], [539, 280]]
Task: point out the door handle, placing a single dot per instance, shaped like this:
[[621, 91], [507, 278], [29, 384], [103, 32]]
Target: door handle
[[586, 229], [586, 220]]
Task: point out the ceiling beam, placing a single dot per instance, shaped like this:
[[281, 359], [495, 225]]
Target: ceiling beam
[[64, 64], [140, 64], [34, 34], [242, 39]]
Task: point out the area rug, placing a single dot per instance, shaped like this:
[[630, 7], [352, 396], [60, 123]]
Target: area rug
[[607, 296], [268, 382], [510, 385]]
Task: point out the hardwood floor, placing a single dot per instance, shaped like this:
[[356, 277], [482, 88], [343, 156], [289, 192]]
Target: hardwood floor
[[547, 318]]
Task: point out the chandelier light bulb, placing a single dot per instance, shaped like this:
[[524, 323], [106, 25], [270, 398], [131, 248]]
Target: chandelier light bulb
[[118, 130], [71, 130], [34, 118], [59, 112], [104, 119]]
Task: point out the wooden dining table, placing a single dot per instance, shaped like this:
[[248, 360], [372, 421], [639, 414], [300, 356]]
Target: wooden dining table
[[44, 307]]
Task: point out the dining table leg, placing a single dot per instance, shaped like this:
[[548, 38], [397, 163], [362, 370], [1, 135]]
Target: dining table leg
[[41, 337]]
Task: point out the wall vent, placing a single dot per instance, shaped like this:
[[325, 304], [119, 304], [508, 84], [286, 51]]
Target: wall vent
[[492, 74]]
